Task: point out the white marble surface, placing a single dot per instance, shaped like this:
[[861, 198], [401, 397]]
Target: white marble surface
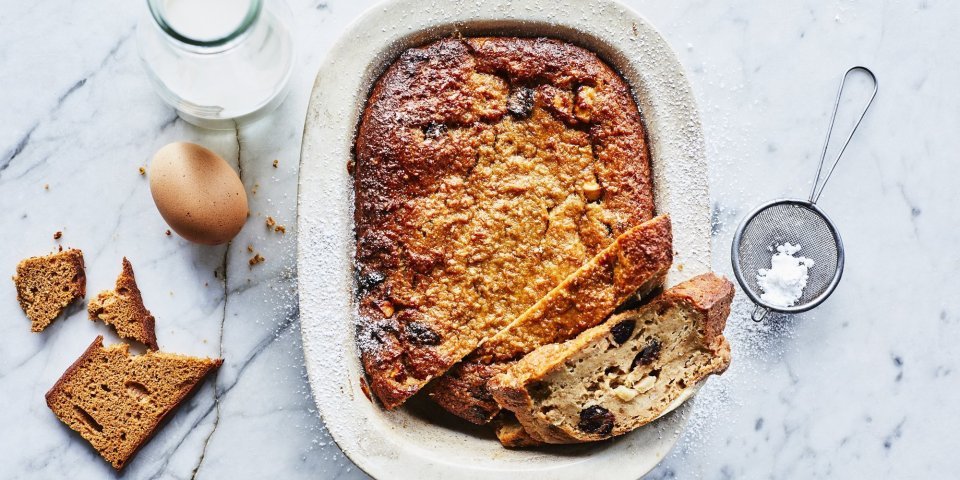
[[863, 387]]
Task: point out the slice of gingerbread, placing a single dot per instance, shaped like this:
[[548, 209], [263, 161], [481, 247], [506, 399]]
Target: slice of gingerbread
[[117, 401], [122, 308], [47, 285]]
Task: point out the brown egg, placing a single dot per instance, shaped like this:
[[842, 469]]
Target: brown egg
[[198, 193]]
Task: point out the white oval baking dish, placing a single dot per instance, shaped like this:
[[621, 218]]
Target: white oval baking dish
[[416, 442]]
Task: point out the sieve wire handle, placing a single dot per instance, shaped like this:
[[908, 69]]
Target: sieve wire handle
[[817, 184], [759, 313]]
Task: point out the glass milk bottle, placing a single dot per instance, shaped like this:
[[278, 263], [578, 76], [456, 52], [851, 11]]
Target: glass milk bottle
[[220, 63]]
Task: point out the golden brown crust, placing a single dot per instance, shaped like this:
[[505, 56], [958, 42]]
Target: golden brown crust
[[712, 296], [486, 171], [120, 426], [511, 433], [123, 309], [463, 392], [638, 257], [47, 285], [637, 260], [708, 296]]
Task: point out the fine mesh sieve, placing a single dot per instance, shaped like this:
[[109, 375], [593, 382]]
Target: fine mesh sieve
[[799, 222]]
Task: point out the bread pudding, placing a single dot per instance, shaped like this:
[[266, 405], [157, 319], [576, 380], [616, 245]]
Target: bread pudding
[[486, 171]]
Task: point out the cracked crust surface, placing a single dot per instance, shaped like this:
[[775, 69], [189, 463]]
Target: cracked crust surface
[[624, 373], [486, 171]]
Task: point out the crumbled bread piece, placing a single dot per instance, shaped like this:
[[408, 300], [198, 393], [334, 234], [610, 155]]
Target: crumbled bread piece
[[57, 235], [116, 401], [46, 285], [143, 171], [122, 308], [46, 186], [250, 248], [275, 162], [272, 224], [168, 232], [256, 259]]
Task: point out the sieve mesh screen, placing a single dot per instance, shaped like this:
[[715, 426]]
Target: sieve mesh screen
[[797, 224]]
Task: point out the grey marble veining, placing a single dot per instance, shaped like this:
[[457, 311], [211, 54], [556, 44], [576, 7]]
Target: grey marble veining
[[865, 386]]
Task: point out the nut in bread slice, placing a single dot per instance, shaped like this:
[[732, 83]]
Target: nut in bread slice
[[624, 373], [123, 309], [116, 401], [636, 260], [47, 285]]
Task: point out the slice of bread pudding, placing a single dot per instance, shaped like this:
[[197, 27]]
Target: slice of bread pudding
[[624, 373]]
